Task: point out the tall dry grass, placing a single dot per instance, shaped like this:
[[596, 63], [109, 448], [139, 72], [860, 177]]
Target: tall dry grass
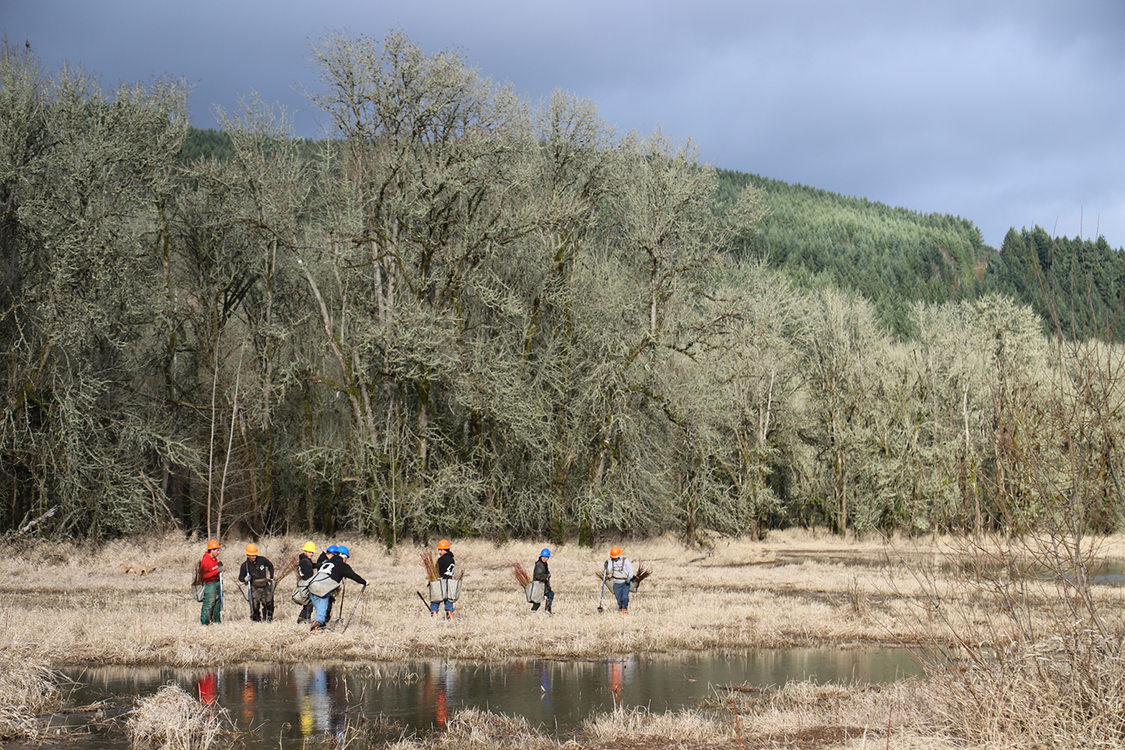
[[170, 719], [794, 589], [27, 690]]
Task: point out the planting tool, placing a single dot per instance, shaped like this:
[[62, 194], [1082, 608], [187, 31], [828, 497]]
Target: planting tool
[[425, 603], [220, 595], [601, 597], [250, 594], [348, 621], [340, 609]]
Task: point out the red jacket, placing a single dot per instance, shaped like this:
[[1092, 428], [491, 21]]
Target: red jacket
[[208, 568]]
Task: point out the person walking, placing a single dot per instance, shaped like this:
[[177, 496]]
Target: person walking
[[327, 580], [543, 573], [257, 571], [329, 553], [619, 570], [305, 571], [445, 571], [210, 574]]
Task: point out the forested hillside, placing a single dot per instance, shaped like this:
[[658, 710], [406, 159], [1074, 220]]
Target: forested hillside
[[466, 313], [895, 257]]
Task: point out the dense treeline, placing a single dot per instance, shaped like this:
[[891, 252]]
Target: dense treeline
[[470, 314]]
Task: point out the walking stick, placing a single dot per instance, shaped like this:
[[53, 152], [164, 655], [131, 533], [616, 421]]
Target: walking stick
[[220, 597], [425, 603], [250, 594], [601, 597], [348, 621]]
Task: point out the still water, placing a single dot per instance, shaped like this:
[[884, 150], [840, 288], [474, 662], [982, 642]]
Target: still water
[[284, 705]]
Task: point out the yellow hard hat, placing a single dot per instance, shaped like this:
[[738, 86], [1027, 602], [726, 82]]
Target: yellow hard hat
[[251, 549], [615, 553], [443, 544], [309, 547]]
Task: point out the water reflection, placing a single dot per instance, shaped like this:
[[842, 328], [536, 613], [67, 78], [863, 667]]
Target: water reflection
[[287, 705]]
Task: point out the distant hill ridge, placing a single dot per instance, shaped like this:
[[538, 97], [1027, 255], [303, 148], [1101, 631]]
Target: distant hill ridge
[[896, 257]]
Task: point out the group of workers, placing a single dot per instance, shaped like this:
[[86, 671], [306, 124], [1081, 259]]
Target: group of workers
[[322, 577]]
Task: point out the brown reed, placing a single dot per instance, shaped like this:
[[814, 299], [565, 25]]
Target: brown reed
[[430, 564], [521, 574]]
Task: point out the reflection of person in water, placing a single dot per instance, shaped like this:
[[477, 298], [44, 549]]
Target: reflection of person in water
[[445, 689], [339, 707], [439, 687], [321, 703], [249, 696], [616, 679], [545, 692], [207, 688], [301, 681]]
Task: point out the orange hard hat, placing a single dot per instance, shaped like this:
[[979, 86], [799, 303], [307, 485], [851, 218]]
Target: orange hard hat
[[443, 544], [615, 553], [251, 549], [213, 545]]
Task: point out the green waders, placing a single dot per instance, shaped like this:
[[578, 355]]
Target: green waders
[[212, 611]]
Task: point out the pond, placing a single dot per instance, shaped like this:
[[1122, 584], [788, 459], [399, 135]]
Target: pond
[[287, 704]]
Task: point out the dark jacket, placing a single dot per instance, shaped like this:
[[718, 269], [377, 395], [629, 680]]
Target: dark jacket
[[305, 568], [542, 572], [445, 564], [340, 570], [259, 570]]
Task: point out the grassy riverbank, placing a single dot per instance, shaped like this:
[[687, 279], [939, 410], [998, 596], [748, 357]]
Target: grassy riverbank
[[128, 603], [73, 604], [77, 604]]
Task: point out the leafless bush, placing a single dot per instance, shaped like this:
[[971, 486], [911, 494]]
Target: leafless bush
[[1032, 652]]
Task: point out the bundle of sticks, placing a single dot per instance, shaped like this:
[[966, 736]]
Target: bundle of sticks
[[521, 575], [430, 564], [639, 575]]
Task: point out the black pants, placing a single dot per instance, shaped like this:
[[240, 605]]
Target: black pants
[[261, 600]]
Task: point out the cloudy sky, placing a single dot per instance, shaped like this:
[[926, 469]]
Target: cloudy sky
[[1003, 112]]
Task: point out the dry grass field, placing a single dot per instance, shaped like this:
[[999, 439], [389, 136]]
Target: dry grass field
[[75, 604], [128, 602]]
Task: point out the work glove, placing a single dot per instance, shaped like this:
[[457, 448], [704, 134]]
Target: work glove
[[220, 566]]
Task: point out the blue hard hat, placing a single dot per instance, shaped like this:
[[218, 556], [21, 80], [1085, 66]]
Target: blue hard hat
[[332, 548], [342, 550], [545, 553]]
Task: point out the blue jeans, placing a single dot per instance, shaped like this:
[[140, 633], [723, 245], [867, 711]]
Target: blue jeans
[[621, 591], [320, 608], [435, 605]]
